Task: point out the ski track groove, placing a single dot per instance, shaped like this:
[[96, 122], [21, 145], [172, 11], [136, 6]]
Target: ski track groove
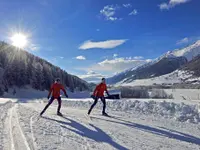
[[12, 146], [21, 132], [32, 133], [16, 124]]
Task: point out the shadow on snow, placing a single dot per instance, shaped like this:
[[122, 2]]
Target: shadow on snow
[[170, 133], [98, 135]]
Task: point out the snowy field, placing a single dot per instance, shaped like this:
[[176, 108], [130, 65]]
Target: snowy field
[[177, 76], [134, 124]]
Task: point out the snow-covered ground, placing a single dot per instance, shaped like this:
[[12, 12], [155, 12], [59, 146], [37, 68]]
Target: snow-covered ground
[[134, 124], [184, 94]]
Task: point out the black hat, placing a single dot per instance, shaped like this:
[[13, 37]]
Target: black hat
[[58, 79]]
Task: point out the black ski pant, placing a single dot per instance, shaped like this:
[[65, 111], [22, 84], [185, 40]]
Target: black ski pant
[[95, 102], [50, 102]]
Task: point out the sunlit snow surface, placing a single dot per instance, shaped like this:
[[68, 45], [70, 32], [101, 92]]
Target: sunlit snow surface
[[135, 124]]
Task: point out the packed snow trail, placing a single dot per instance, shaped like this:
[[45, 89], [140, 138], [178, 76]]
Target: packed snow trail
[[18, 139], [77, 131]]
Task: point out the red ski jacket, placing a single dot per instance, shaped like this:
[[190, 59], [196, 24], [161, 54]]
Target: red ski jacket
[[55, 90], [99, 90]]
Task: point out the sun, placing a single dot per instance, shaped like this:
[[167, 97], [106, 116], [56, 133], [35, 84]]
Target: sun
[[19, 40]]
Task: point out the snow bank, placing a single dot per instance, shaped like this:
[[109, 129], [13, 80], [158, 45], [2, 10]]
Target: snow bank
[[179, 111], [25, 93], [6, 100], [30, 93]]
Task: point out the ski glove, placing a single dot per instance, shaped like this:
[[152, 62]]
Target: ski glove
[[92, 96], [48, 97], [66, 96]]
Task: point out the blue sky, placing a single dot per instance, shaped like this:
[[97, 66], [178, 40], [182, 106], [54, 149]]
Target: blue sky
[[96, 38]]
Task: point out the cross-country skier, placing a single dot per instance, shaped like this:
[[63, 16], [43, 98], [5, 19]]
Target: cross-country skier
[[55, 90], [99, 93]]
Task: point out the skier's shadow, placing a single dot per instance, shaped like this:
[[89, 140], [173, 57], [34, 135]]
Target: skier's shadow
[[162, 131], [98, 135]]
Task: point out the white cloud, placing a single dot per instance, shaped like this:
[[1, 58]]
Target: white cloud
[[171, 4], [109, 12], [116, 65], [113, 18], [61, 57], [183, 41], [115, 55], [138, 57], [164, 6], [92, 76], [127, 5], [80, 58], [134, 12], [176, 2], [102, 44]]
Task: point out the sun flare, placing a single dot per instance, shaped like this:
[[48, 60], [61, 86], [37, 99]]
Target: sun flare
[[19, 40]]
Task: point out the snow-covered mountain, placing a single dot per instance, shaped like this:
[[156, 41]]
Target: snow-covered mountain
[[189, 52], [187, 74], [165, 64], [149, 70]]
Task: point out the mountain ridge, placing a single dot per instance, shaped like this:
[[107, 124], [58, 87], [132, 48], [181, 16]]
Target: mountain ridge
[[187, 53]]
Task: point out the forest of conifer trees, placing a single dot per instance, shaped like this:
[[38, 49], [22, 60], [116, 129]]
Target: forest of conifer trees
[[19, 68]]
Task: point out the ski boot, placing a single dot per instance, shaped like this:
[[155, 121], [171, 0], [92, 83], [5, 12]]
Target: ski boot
[[105, 114], [59, 114]]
